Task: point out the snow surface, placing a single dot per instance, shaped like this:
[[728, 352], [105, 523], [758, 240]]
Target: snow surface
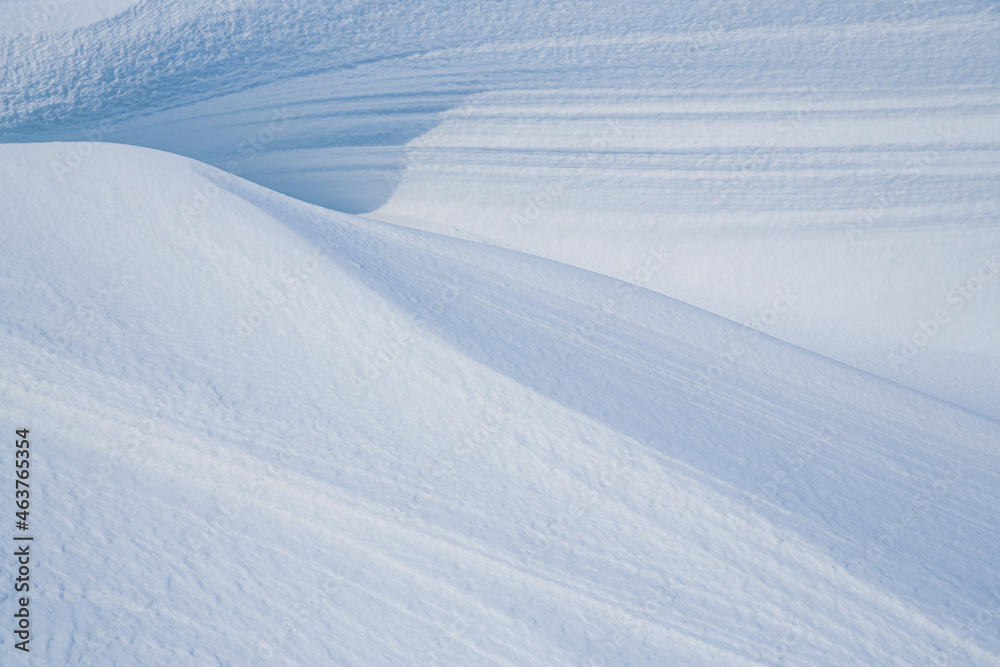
[[845, 151], [412, 419], [272, 433]]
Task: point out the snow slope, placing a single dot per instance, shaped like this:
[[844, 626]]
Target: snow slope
[[866, 214], [268, 433], [843, 154]]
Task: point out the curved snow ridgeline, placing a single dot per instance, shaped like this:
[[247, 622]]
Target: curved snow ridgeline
[[843, 154], [273, 432], [296, 434]]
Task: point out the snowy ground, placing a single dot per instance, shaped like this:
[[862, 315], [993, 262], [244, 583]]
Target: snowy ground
[[267, 432], [847, 153]]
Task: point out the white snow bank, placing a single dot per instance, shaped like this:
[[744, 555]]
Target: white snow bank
[[844, 154], [266, 429]]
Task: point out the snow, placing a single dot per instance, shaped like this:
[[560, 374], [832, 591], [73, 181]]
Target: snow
[[491, 493], [832, 150], [460, 430], [46, 17], [873, 211]]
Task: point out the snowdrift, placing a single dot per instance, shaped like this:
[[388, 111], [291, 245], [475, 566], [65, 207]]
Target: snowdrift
[[272, 433], [843, 154]]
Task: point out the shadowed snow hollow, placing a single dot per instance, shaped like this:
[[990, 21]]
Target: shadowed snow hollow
[[824, 172]]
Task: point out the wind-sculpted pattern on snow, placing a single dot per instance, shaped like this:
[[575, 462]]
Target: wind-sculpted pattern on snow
[[483, 499], [279, 434], [831, 149]]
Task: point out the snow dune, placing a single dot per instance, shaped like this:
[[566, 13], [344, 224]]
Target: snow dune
[[276, 433], [513, 415], [845, 154], [873, 212]]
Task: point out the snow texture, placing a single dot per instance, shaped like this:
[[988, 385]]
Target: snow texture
[[668, 338]]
